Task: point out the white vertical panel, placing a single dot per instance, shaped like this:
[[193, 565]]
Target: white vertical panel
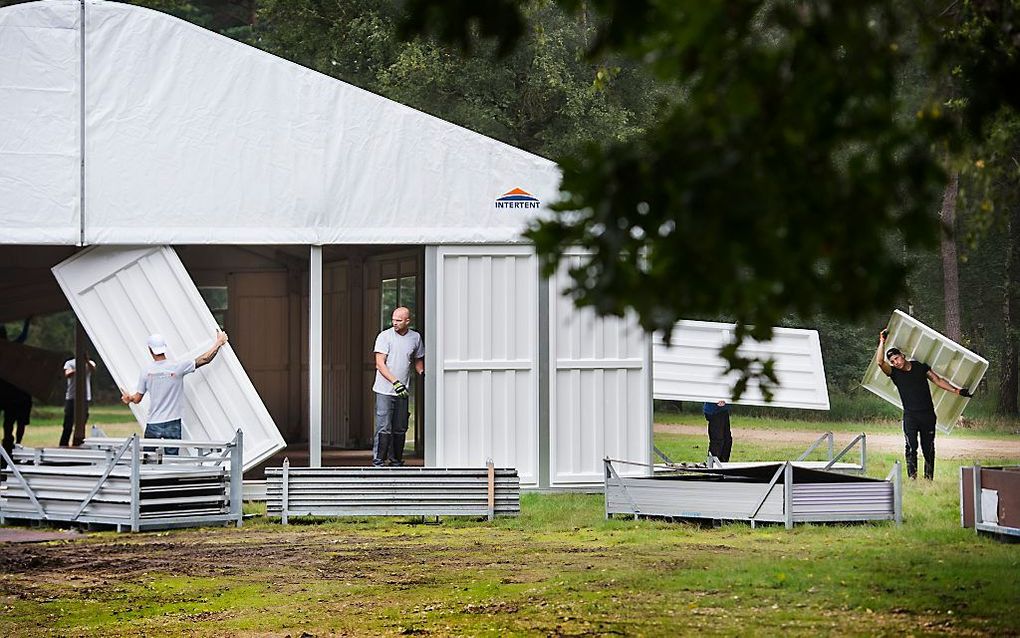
[[948, 359], [487, 354], [599, 389], [690, 368], [121, 296]]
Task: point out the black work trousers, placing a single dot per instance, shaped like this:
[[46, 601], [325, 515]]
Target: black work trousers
[[65, 434], [919, 425], [720, 439]]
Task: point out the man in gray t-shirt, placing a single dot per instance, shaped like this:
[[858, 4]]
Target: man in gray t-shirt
[[397, 349], [69, 371], [163, 381]]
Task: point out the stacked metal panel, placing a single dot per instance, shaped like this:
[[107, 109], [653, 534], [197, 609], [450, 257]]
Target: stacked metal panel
[[391, 491], [762, 492], [126, 488]]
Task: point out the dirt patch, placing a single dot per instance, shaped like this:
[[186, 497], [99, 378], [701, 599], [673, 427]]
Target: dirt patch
[[19, 535], [947, 446]]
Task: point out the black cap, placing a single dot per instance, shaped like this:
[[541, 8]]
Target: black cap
[[891, 351]]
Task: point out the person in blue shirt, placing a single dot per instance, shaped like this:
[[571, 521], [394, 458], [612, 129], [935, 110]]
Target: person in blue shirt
[[720, 439]]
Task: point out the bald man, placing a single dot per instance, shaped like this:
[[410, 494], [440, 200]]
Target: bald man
[[397, 351]]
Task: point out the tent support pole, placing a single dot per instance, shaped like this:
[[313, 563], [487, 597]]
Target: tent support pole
[[315, 357]]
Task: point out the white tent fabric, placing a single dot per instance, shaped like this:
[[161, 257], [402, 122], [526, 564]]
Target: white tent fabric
[[193, 138], [40, 105]]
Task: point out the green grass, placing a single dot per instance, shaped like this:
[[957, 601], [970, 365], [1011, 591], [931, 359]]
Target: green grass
[[560, 568], [47, 423]]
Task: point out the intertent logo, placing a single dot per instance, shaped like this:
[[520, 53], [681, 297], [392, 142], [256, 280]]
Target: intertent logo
[[517, 198]]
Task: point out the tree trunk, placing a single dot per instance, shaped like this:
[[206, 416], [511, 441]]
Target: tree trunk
[[1009, 379], [950, 261]]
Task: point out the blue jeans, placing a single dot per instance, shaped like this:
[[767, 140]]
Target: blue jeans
[[165, 430], [391, 417]]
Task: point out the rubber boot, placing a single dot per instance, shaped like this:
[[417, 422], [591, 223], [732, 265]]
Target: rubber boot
[[397, 456], [384, 448]]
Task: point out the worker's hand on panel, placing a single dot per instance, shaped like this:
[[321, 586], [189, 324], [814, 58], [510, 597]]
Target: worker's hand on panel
[[965, 392], [221, 338]]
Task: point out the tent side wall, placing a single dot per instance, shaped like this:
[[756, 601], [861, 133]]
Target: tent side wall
[[518, 376]]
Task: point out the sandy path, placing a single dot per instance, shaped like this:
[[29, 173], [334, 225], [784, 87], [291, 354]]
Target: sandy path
[[947, 446]]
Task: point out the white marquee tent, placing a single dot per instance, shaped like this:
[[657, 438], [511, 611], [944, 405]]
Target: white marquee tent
[[123, 127]]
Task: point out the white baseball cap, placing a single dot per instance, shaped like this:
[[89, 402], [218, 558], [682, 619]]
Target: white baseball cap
[[157, 344]]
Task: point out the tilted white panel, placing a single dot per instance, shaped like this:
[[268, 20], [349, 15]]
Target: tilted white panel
[[690, 368], [948, 359], [487, 344], [40, 120], [121, 296], [600, 394]]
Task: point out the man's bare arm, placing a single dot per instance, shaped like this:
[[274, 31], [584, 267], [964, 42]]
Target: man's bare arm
[[945, 385], [880, 355], [206, 357], [384, 370]]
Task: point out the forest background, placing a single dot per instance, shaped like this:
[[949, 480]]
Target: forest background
[[549, 96]]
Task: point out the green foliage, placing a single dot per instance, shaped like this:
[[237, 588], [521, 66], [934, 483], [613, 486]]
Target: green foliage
[[771, 186]]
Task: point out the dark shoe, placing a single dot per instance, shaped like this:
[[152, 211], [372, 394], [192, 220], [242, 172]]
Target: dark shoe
[[396, 464]]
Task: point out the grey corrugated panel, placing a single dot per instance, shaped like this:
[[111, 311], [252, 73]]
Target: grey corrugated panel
[[392, 491], [694, 499]]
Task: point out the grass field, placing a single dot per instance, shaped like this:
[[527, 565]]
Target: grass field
[[559, 569]]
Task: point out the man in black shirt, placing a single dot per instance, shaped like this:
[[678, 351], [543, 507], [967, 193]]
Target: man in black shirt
[[911, 380]]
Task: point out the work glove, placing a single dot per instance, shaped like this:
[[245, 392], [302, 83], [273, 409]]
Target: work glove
[[964, 392], [400, 388]]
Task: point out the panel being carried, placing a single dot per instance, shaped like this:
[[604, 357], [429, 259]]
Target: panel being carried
[[690, 368], [948, 359], [122, 295]]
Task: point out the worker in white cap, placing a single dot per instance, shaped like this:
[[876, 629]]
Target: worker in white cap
[[163, 381]]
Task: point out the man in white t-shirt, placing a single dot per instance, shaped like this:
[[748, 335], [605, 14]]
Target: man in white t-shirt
[[397, 349], [163, 381], [69, 370]]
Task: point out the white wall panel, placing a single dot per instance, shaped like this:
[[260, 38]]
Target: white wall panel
[[690, 368], [487, 349], [121, 296], [600, 394], [948, 359]]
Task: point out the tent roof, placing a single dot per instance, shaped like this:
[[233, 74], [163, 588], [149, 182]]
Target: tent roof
[[192, 138]]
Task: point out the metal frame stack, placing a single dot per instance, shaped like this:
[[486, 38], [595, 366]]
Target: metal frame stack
[[392, 491], [127, 483], [990, 500], [754, 492]]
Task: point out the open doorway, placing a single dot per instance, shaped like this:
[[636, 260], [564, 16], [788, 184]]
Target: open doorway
[[266, 312]]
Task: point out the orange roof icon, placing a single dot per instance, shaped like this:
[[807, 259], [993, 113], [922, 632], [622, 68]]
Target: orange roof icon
[[517, 191]]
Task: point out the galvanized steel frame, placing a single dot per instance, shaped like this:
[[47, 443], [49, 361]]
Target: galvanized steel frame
[[789, 515], [231, 452]]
